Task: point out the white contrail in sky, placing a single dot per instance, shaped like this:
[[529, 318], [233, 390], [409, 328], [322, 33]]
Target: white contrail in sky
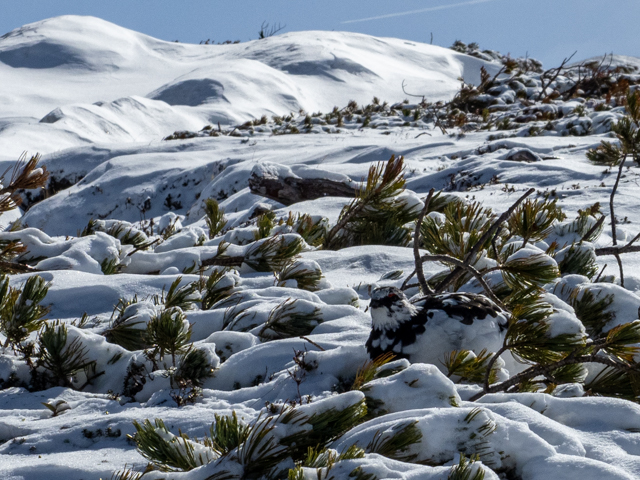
[[422, 10]]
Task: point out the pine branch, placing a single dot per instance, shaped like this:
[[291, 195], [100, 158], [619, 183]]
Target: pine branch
[[15, 267], [487, 377], [25, 175], [380, 184], [470, 258], [547, 370], [618, 345]]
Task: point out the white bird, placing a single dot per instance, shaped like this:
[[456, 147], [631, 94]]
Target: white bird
[[431, 327]]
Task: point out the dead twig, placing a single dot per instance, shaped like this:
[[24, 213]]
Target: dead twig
[[552, 74], [312, 343]]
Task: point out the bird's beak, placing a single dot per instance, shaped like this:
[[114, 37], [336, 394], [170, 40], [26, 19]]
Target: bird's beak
[[375, 303]]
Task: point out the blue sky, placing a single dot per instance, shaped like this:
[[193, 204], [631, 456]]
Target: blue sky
[[548, 30]]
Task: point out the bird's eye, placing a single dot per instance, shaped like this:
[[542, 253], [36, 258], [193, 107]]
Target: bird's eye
[[392, 295]]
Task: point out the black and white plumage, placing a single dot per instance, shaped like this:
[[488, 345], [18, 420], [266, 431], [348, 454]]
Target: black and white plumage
[[427, 329]]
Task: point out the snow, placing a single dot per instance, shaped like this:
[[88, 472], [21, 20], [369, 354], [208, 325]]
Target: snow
[[98, 100]]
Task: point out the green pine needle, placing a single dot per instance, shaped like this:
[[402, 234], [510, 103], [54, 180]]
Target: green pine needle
[[218, 286], [533, 271], [612, 382], [306, 279], [265, 223], [376, 215], [194, 367], [466, 469], [21, 312], [183, 297], [591, 307], [61, 359], [214, 217], [168, 452], [168, 333], [464, 225], [286, 320], [273, 253], [396, 443], [123, 331], [622, 341], [533, 219], [470, 367], [369, 370], [127, 234], [578, 259]]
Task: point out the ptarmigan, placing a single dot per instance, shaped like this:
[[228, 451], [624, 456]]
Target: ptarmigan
[[426, 330]]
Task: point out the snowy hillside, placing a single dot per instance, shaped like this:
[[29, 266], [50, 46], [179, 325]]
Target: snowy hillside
[[216, 218], [91, 82]]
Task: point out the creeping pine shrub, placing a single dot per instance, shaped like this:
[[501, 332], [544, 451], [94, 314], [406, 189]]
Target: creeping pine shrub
[[312, 229], [194, 367], [290, 318], [263, 447], [128, 324], [131, 319], [60, 359], [20, 310], [265, 223], [52, 359], [273, 253], [218, 286], [465, 233], [168, 333], [378, 215], [301, 274], [184, 297]]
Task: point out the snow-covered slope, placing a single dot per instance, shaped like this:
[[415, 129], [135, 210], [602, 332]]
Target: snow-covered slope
[[98, 102], [74, 80]]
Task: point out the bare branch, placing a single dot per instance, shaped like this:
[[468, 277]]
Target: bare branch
[[462, 265], [405, 284], [613, 219], [411, 94], [628, 248], [552, 74], [600, 274], [424, 286]]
